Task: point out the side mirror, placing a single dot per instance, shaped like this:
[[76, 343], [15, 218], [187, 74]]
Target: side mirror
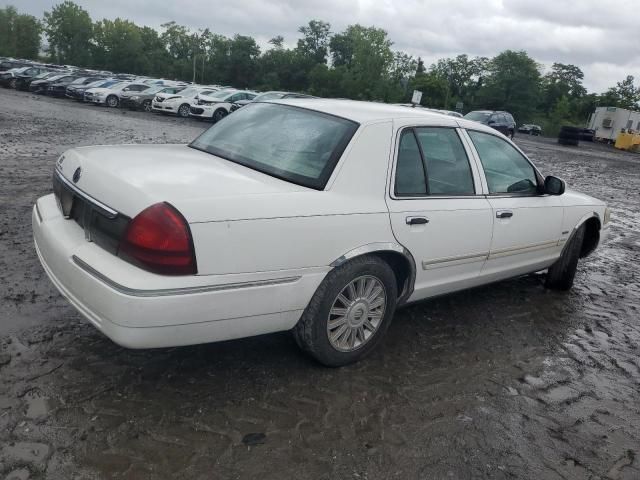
[[554, 185]]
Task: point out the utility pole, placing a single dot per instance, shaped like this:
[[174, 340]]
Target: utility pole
[[195, 51]]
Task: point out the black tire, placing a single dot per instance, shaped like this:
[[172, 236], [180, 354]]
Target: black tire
[[13, 82], [562, 273], [112, 101], [569, 135], [183, 110], [311, 333], [219, 114], [146, 105], [512, 133]]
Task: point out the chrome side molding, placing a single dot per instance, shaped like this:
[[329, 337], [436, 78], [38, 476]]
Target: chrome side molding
[[163, 292]]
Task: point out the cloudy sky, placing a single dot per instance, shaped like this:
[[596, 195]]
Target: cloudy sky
[[599, 36]]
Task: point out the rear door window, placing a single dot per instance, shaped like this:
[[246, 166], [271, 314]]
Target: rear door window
[[410, 174], [447, 165]]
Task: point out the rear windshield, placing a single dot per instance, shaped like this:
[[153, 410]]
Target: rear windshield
[[297, 145], [477, 116]]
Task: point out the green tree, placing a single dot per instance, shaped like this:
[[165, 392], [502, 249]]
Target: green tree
[[157, 56], [243, 61], [512, 84], [179, 43], [433, 88], [69, 30], [284, 69], [277, 42], [19, 34], [118, 46], [315, 41], [562, 81], [365, 53], [463, 76], [624, 95], [218, 48]]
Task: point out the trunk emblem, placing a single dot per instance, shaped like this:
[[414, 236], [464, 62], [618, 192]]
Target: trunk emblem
[[76, 175]]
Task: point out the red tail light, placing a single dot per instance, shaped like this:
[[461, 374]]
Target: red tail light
[[159, 240]]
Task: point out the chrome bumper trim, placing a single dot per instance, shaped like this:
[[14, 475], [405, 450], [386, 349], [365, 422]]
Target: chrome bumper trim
[[163, 292]]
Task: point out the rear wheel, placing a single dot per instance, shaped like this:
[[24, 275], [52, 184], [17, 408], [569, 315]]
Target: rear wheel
[[112, 101], [349, 313], [219, 114], [562, 273], [13, 82], [183, 111]]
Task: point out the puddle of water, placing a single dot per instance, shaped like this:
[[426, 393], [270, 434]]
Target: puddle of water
[[38, 405]]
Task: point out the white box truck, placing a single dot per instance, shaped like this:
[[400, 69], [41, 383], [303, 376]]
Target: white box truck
[[608, 122]]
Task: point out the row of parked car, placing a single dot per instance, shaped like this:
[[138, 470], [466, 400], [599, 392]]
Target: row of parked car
[[205, 102]]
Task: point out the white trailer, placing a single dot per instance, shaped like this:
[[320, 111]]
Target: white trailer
[[608, 122]]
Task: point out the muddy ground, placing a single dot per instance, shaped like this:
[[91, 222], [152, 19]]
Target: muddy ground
[[505, 381]]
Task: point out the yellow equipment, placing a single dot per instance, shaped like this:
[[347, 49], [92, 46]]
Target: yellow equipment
[[628, 141]]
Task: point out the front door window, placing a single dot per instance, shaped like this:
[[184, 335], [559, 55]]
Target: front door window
[[506, 169]]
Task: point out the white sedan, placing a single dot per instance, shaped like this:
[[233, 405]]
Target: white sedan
[[217, 105], [179, 103], [110, 95], [320, 216]]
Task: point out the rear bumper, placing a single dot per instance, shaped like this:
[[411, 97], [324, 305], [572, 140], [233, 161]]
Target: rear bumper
[[138, 309]]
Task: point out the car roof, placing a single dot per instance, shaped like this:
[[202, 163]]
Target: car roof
[[359, 111]]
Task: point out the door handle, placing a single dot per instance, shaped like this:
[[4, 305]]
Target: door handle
[[417, 220], [504, 214]]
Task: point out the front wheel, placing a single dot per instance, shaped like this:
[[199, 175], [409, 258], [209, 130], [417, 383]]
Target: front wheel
[[219, 114], [183, 111], [13, 83], [561, 274], [112, 101], [146, 105], [349, 313]]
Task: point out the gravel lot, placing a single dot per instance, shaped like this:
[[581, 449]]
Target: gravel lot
[[505, 381]]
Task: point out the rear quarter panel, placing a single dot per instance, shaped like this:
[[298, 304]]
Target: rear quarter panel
[[304, 229]]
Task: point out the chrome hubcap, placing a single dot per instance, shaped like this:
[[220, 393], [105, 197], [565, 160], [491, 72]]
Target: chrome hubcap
[[356, 313]]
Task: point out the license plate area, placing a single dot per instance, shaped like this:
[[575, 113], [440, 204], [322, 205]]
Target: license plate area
[[64, 197], [101, 226]]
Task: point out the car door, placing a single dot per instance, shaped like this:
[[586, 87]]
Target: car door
[[527, 224], [437, 209], [236, 97]]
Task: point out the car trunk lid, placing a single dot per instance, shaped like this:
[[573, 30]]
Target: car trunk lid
[[130, 178]]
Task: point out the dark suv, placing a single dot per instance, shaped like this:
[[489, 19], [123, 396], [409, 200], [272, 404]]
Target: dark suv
[[501, 121]]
